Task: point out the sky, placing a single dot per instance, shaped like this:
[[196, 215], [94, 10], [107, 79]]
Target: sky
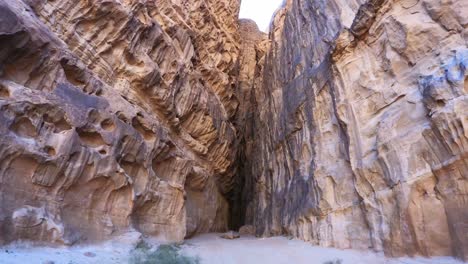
[[261, 11]]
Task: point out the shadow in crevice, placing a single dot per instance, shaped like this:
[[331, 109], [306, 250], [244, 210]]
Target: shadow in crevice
[[242, 193]]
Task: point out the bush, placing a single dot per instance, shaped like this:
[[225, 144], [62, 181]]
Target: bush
[[164, 254], [336, 261]]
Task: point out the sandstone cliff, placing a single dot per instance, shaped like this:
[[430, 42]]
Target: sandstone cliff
[[361, 126], [347, 126], [115, 115]]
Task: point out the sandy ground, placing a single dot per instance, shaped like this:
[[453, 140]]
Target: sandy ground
[[211, 249], [113, 252], [279, 250]]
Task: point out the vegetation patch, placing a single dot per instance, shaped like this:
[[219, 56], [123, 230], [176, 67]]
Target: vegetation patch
[[336, 261], [164, 254]]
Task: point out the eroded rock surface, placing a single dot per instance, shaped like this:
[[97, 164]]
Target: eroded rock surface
[[347, 126], [114, 115], [362, 126]]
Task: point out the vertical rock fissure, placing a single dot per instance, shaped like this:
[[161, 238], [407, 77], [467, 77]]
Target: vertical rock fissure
[[236, 197], [252, 52]]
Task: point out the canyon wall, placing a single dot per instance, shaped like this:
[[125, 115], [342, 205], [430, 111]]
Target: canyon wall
[[361, 127], [346, 126], [115, 116]]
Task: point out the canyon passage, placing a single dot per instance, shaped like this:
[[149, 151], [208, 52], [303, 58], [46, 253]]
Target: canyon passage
[[346, 126]]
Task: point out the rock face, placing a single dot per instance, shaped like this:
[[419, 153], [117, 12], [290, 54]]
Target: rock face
[[115, 115], [361, 127], [347, 126]]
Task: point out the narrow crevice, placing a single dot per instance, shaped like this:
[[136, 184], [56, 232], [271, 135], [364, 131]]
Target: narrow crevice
[[237, 201]]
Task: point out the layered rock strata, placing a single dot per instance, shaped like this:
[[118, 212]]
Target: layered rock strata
[[361, 127], [114, 116]]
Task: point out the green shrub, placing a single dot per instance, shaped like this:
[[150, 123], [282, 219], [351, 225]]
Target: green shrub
[[142, 245], [164, 254], [336, 261]]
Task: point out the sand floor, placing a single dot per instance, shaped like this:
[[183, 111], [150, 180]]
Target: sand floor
[[210, 249]]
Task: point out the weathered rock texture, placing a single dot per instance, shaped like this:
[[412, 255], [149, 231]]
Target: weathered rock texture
[[361, 126], [346, 127], [114, 115]]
